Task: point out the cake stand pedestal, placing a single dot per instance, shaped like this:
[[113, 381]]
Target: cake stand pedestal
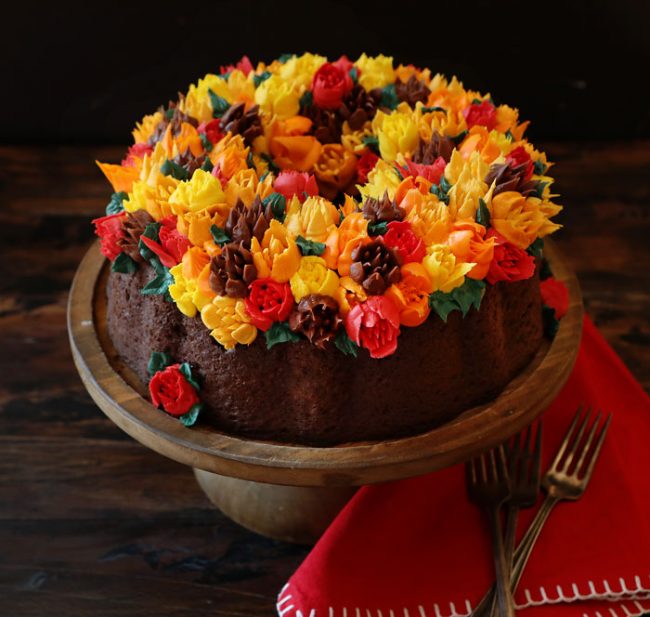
[[293, 492]]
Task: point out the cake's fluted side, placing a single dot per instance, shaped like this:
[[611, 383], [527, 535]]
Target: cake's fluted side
[[296, 393]]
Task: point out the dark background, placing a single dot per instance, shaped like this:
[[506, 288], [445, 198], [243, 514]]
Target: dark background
[[84, 73]]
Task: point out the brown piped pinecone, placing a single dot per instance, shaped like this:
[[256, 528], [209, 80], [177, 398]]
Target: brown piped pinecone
[[359, 106], [189, 162], [177, 118], [412, 91], [375, 267], [232, 271], [382, 210], [317, 317], [133, 227], [510, 179], [243, 223], [238, 121], [427, 152], [326, 124]]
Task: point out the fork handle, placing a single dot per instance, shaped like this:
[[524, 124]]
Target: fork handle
[[512, 514], [502, 569]]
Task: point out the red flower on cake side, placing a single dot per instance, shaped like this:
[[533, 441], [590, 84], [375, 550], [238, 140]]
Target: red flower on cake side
[[556, 295], [509, 263], [171, 245], [267, 302], [171, 390], [365, 165], [330, 84], [481, 114], [301, 184], [374, 324], [401, 237], [109, 230]]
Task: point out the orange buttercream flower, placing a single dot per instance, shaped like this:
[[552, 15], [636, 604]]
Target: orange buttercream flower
[[194, 261], [468, 243], [349, 294], [277, 256], [352, 232], [517, 219], [290, 147], [478, 140], [335, 170], [121, 178], [411, 294]]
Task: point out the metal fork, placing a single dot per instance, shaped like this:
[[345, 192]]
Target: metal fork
[[562, 481], [488, 486]]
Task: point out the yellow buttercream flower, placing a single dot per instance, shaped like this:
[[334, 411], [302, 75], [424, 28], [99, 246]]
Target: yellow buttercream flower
[[228, 321], [299, 70], [429, 217], [517, 218], [154, 199], [382, 179], [243, 185], [277, 98], [446, 274], [200, 192], [397, 133], [314, 220], [144, 129], [277, 255], [185, 293], [375, 72], [349, 294], [466, 176], [353, 140], [313, 277]]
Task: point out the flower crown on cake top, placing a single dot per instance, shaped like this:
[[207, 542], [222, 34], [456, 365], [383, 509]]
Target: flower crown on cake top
[[336, 202]]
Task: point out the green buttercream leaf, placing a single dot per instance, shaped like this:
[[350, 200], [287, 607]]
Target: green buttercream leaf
[[441, 189], [442, 304], [545, 271], [309, 247], [476, 101], [270, 162], [124, 264], [539, 168], [207, 165], [284, 58], [389, 97], [354, 74], [158, 361], [169, 168], [280, 332], [262, 77], [345, 344], [219, 105], [206, 143], [539, 189], [536, 249], [189, 419], [159, 285], [278, 205], [377, 229], [462, 298], [458, 138], [225, 75], [427, 110], [509, 135], [186, 371], [550, 321], [115, 205], [372, 142], [151, 232], [306, 100], [482, 213], [219, 236]]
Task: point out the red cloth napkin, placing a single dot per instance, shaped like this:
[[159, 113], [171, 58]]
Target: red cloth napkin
[[418, 548]]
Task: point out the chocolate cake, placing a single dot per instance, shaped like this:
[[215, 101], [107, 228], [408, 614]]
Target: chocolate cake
[[321, 252]]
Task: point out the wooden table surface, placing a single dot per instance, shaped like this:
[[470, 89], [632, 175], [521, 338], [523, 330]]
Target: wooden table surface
[[94, 524]]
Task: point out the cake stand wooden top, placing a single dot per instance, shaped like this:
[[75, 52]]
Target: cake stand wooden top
[[119, 393]]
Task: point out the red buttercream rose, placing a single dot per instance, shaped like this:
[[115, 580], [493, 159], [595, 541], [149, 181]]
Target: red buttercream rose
[[171, 245], [212, 130], [291, 182], [509, 263], [109, 230], [365, 165], [136, 151], [170, 390], [482, 114], [401, 237], [374, 325], [518, 157], [432, 173], [556, 295], [268, 301], [329, 85], [344, 63], [244, 65]]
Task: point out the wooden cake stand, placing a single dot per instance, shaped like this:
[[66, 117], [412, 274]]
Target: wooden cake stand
[[293, 492]]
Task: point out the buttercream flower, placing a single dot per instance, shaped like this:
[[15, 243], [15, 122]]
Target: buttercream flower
[[185, 292], [375, 72], [135, 155], [365, 165], [429, 217], [242, 186], [556, 295], [411, 294], [432, 172], [313, 277], [276, 97], [154, 198], [466, 176], [489, 144], [145, 128], [509, 262], [121, 178], [352, 232], [291, 147], [244, 65], [229, 156], [397, 133], [336, 170], [374, 325], [349, 294], [170, 390], [268, 301], [329, 85], [519, 156], [382, 179], [400, 236], [212, 130], [201, 191], [109, 230], [483, 114], [516, 218], [171, 243], [291, 182], [314, 220], [228, 321], [277, 256], [299, 70], [444, 271], [469, 244]]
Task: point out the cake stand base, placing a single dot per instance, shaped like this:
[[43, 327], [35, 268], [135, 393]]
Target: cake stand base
[[298, 514]]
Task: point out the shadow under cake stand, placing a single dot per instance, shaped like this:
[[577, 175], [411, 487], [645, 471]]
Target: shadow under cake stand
[[293, 492]]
